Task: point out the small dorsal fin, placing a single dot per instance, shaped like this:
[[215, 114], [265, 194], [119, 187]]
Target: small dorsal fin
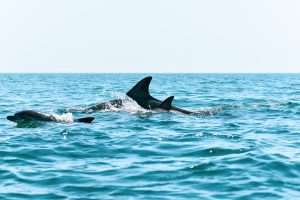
[[167, 103], [141, 89], [85, 120]]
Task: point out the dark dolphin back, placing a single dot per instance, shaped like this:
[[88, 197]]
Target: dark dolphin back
[[31, 114], [28, 118]]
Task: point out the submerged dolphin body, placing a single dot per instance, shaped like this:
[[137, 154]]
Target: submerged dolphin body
[[117, 103], [140, 94], [28, 115]]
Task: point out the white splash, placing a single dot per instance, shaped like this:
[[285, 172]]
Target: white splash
[[67, 117], [267, 104], [76, 109], [65, 133], [128, 105], [199, 134]]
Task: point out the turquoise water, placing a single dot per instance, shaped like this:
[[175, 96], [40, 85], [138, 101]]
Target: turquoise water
[[243, 143]]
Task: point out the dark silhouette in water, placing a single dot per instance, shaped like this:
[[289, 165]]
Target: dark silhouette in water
[[117, 103], [31, 115], [140, 94]]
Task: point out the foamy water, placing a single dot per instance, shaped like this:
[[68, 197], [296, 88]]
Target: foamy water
[[67, 117]]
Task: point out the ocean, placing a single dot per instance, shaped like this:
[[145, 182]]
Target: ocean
[[242, 143]]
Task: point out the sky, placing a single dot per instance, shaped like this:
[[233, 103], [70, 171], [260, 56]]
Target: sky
[[150, 36]]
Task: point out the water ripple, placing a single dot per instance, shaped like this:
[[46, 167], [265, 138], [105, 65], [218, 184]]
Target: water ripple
[[243, 143]]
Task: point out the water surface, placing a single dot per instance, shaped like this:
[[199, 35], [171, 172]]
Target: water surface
[[243, 143]]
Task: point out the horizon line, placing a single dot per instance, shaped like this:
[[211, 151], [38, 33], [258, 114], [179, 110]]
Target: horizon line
[[150, 72]]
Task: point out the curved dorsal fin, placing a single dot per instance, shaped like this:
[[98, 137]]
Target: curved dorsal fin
[[167, 103], [85, 120], [141, 89]]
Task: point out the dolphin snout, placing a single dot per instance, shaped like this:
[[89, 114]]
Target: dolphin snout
[[10, 118]]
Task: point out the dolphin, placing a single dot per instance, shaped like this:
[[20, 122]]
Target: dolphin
[[140, 94], [31, 115]]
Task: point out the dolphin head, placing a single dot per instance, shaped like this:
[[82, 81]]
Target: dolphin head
[[11, 118], [17, 117], [22, 121]]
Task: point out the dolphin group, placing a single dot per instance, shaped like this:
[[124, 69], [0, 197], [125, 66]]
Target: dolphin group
[[139, 93]]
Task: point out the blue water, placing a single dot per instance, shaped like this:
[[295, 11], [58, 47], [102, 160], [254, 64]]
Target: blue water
[[243, 143]]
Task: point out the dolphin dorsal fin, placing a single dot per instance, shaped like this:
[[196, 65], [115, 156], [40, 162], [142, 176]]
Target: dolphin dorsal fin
[[167, 103], [85, 120], [141, 89]]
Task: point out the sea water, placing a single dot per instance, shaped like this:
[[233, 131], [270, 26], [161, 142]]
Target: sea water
[[242, 143]]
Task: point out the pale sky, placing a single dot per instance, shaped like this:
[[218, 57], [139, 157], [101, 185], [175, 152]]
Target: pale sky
[[150, 36]]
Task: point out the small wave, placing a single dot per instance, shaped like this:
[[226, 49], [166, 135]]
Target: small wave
[[267, 104], [74, 109], [274, 104], [217, 110], [216, 151]]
